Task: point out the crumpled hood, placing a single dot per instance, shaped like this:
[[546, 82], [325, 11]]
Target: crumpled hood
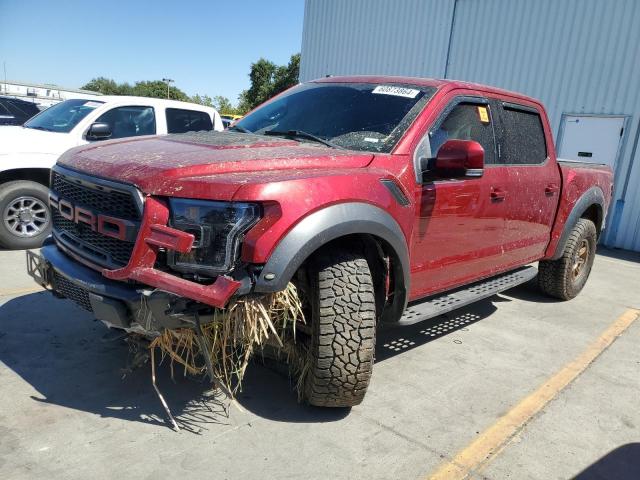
[[183, 163], [17, 139]]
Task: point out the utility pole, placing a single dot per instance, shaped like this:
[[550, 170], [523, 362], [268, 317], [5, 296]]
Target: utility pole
[[167, 81]]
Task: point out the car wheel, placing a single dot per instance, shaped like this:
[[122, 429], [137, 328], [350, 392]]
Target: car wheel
[[343, 327], [26, 218], [565, 277]]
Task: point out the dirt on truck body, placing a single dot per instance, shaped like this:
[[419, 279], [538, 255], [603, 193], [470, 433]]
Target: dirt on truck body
[[340, 206]]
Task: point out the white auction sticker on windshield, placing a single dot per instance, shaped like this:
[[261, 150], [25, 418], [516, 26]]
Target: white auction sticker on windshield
[[91, 104], [396, 91]]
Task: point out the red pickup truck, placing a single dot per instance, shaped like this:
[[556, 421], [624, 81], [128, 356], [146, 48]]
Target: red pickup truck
[[387, 200]]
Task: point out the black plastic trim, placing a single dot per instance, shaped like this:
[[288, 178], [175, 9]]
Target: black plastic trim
[[593, 196], [109, 310], [86, 278], [522, 108], [100, 184], [329, 224], [450, 300], [396, 191]]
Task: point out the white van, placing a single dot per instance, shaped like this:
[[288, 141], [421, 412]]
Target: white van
[[27, 152]]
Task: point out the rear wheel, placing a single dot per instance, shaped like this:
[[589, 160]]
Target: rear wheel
[[565, 277], [343, 327], [26, 219]]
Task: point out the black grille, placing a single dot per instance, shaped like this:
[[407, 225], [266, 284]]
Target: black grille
[[107, 251], [102, 200], [71, 291], [79, 237]]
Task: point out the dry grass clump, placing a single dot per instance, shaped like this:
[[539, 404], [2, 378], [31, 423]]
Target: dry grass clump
[[236, 333]]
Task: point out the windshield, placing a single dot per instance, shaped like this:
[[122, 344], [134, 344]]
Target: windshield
[[358, 116], [63, 116]]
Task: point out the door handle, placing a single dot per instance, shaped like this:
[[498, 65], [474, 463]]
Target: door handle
[[498, 193], [551, 189]]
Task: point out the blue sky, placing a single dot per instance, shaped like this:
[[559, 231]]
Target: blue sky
[[205, 46]]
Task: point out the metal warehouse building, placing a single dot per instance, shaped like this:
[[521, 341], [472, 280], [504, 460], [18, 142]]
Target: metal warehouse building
[[580, 57]]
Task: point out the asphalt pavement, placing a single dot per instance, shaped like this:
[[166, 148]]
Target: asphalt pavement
[[517, 386]]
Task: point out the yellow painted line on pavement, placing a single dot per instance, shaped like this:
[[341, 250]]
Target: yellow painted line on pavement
[[20, 291], [490, 442]]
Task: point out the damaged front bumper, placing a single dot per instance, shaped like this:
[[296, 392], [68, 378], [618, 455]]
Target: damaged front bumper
[[131, 307]]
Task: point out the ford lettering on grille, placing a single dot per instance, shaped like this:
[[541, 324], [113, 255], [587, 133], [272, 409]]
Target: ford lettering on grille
[[95, 220], [109, 226]]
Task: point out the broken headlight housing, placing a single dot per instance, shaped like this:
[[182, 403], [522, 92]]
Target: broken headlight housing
[[218, 228]]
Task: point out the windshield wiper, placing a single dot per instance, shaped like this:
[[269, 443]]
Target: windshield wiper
[[240, 129], [303, 135], [38, 128]]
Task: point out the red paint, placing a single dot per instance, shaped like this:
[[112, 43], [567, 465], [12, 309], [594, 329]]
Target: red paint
[[216, 295], [460, 155], [170, 238], [575, 181], [457, 230], [155, 233], [114, 227]]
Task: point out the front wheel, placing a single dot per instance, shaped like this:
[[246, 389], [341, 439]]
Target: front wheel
[[565, 277], [26, 218], [343, 327]]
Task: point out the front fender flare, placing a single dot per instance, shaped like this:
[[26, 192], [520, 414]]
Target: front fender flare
[[323, 226]]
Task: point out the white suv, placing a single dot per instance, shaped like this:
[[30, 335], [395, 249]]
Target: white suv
[[28, 152]]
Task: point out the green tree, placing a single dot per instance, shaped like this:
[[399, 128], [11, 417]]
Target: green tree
[[261, 76], [267, 80], [243, 103], [157, 89], [145, 88], [287, 75], [202, 100], [223, 105], [107, 86]]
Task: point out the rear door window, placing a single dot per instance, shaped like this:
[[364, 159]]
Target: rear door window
[[521, 137], [130, 121], [181, 120], [466, 121]]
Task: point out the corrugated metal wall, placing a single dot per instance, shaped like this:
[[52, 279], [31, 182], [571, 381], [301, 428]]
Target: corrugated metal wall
[[577, 56], [375, 36]]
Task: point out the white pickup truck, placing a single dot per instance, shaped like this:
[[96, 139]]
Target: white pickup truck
[[27, 152]]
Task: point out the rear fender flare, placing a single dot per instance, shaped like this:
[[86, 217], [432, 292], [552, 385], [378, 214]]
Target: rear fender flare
[[593, 196], [329, 224]]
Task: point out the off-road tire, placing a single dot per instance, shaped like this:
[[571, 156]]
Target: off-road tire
[[343, 327], [10, 192], [555, 277]]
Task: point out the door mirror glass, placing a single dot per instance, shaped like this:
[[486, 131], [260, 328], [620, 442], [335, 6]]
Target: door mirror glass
[[460, 158], [99, 131]]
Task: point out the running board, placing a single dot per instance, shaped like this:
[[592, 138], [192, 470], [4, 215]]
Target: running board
[[452, 300]]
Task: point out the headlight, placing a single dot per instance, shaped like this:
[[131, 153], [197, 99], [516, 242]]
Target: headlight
[[217, 227]]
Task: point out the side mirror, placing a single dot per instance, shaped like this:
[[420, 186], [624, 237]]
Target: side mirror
[[99, 131], [460, 158]]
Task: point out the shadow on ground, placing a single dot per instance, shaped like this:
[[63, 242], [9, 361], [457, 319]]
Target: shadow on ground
[[395, 341], [530, 292], [67, 357], [71, 360], [618, 254], [623, 463]]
